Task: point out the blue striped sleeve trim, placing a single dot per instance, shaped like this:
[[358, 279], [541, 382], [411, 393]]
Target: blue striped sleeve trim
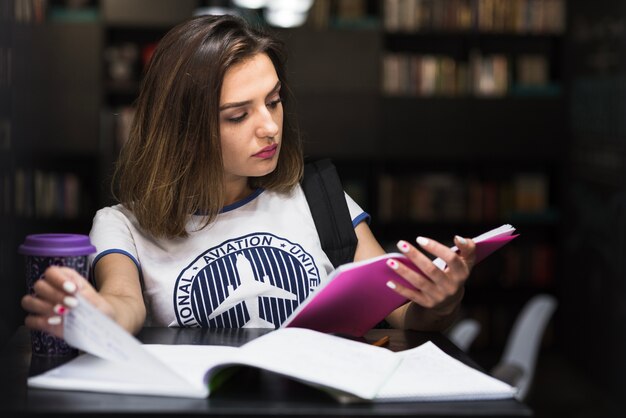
[[117, 251], [362, 217]]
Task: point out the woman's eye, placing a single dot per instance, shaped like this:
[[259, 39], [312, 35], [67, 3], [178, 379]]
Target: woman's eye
[[237, 119], [274, 103]]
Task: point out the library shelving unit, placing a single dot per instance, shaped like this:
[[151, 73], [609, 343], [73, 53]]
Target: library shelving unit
[[446, 117], [55, 125], [50, 145], [472, 92]]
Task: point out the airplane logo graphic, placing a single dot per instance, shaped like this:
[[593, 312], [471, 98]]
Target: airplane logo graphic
[[248, 293]]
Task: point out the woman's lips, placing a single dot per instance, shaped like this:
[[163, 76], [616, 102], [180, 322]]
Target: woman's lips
[[267, 152]]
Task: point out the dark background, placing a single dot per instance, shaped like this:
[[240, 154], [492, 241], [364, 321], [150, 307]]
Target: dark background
[[62, 114]]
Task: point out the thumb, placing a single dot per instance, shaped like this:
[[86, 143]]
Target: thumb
[[467, 250]]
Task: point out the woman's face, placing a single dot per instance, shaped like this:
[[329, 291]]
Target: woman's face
[[251, 119]]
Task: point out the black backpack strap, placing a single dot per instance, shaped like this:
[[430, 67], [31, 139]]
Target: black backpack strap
[[325, 196]]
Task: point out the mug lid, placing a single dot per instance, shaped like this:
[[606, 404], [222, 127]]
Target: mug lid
[[56, 245]]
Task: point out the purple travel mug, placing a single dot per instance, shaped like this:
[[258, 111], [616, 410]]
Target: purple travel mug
[[41, 251]]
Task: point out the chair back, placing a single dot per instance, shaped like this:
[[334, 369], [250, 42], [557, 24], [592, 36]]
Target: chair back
[[524, 342], [464, 332]]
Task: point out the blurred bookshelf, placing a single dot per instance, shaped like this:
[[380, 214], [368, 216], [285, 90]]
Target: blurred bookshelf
[[56, 152], [49, 139], [464, 132]]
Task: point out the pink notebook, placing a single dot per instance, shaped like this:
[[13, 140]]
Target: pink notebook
[[355, 296]]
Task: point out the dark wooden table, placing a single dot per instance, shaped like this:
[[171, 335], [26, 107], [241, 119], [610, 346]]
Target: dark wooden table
[[248, 393]]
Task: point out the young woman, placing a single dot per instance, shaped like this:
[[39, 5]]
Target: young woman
[[213, 228]]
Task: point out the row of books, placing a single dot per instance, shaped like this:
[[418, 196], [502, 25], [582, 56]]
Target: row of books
[[341, 13], [42, 195], [514, 16], [449, 197], [529, 265], [41, 11], [30, 11], [441, 75]]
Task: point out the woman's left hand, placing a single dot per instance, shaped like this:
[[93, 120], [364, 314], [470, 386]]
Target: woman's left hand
[[439, 290]]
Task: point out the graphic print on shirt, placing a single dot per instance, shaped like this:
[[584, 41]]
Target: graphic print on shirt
[[254, 281]]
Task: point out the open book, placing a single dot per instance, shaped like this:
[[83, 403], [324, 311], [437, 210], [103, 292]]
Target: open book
[[355, 297], [349, 370]]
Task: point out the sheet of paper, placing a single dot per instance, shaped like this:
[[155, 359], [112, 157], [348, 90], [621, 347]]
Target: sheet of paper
[[324, 359], [429, 374], [88, 329], [90, 373]]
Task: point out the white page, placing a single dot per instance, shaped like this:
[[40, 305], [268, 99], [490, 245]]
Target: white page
[[324, 359], [88, 329], [194, 361], [94, 374], [503, 230], [91, 373], [427, 373]]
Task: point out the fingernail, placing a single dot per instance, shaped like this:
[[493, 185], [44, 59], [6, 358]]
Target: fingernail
[[403, 246], [392, 263], [70, 301], [54, 320], [59, 309], [69, 287], [422, 241], [391, 285], [461, 239]]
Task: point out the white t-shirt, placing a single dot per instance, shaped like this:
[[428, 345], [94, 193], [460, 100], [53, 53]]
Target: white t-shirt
[[250, 268]]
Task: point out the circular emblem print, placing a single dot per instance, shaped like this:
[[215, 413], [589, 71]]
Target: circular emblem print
[[255, 281]]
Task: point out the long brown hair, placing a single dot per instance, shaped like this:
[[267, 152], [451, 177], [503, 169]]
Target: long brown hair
[[171, 165]]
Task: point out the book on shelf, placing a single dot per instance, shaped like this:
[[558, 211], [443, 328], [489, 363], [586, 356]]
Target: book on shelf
[[531, 192], [527, 266], [542, 265], [6, 207], [437, 196], [513, 267], [532, 70], [319, 14], [115, 362]]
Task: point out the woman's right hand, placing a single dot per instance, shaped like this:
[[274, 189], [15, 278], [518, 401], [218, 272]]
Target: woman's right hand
[[54, 295]]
